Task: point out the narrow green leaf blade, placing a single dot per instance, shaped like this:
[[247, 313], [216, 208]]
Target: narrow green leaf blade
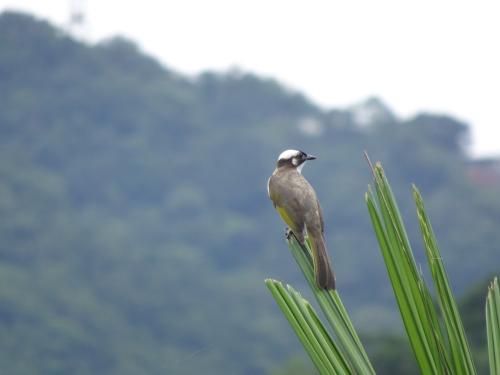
[[412, 295], [289, 309], [493, 327], [348, 340], [328, 346], [460, 351]]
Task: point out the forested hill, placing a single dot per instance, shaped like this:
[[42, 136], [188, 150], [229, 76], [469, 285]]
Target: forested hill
[[135, 228]]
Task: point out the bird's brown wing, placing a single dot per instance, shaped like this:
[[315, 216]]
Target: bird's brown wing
[[286, 208], [320, 211]]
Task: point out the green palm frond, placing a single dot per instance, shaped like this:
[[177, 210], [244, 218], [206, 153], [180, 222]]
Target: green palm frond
[[493, 327], [437, 350]]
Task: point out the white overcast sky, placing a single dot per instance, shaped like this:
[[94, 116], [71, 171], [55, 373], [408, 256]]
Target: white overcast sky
[[441, 56]]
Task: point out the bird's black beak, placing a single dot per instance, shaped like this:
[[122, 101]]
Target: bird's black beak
[[310, 157]]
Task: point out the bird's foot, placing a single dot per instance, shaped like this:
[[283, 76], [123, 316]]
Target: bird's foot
[[288, 233]]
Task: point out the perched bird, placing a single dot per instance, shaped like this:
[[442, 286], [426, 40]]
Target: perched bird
[[296, 202]]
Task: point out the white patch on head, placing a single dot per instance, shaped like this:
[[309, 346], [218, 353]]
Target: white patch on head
[[288, 154]]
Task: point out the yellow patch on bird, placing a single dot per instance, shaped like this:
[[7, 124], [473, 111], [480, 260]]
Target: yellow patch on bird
[[286, 218]]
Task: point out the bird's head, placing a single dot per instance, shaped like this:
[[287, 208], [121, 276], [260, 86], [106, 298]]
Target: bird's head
[[294, 159]]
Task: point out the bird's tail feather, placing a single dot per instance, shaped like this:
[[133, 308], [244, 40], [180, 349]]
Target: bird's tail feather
[[323, 272]]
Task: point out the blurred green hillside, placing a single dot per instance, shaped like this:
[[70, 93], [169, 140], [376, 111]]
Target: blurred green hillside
[[135, 228]]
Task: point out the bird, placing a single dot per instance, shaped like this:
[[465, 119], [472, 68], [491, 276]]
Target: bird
[[296, 202]]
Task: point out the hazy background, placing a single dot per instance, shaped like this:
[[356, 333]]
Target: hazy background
[[425, 55], [135, 228]]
